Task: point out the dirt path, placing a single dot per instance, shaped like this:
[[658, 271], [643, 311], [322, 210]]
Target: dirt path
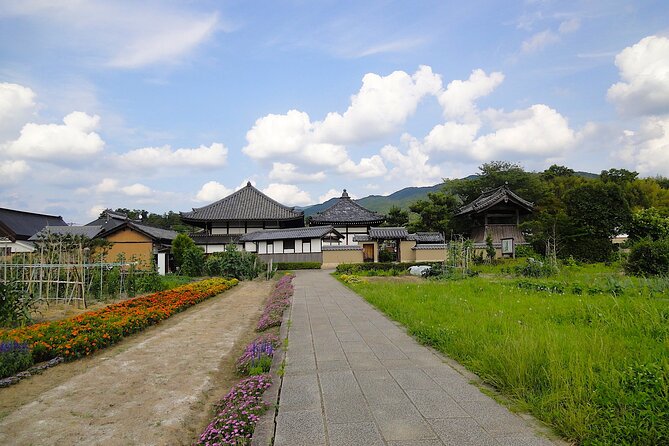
[[152, 389]]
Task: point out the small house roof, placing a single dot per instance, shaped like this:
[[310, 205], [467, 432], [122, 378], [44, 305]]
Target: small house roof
[[492, 197], [427, 237], [291, 233], [248, 203], [344, 211], [389, 233], [77, 231], [21, 225], [155, 234]]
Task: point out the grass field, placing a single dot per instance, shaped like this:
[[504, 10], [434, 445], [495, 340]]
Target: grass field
[[586, 351]]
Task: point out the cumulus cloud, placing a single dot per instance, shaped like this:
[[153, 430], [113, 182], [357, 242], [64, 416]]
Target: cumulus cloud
[[73, 140], [644, 72], [287, 172], [137, 190], [106, 186], [414, 164], [17, 105], [367, 167], [155, 157], [647, 150], [288, 194], [332, 193], [381, 107], [458, 100], [12, 171], [212, 191]]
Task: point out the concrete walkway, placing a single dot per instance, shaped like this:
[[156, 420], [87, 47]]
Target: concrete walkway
[[353, 377]]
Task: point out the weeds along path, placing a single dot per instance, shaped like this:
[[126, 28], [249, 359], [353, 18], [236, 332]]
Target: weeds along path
[[154, 388]]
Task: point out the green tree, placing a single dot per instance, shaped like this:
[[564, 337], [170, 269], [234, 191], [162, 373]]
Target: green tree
[[180, 245], [434, 214], [193, 261], [648, 223], [397, 217]]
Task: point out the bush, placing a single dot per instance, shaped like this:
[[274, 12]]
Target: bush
[[14, 357], [193, 261], [286, 266], [16, 305], [649, 258], [535, 268], [234, 263], [357, 268]]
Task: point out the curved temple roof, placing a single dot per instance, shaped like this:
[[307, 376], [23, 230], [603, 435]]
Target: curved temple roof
[[248, 203], [346, 211], [492, 197]]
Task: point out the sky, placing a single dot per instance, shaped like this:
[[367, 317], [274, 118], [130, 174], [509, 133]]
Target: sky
[[170, 105]]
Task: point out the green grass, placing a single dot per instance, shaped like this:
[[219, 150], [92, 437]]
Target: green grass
[[172, 281], [595, 366]]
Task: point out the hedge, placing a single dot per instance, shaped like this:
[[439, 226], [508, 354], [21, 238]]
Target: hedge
[[286, 266], [352, 268]]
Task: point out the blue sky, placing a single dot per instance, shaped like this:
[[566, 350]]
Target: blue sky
[[170, 105]]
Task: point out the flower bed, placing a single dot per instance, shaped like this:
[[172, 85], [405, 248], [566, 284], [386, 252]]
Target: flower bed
[[277, 303], [82, 335], [237, 413]]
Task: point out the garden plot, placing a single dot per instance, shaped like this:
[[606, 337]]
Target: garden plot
[[149, 389]]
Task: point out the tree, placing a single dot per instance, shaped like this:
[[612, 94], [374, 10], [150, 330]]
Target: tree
[[435, 213], [618, 176], [180, 245], [648, 223], [397, 217]]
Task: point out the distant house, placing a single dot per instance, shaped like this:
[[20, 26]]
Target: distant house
[[246, 211], [497, 213], [348, 217], [133, 240], [16, 228], [304, 244], [401, 245]]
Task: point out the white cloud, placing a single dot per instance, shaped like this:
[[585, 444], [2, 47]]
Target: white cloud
[[414, 165], [367, 167], [59, 143], [451, 136], [644, 72], [459, 97], [96, 210], [275, 135], [106, 186], [288, 194], [156, 157], [569, 26], [535, 131], [332, 193], [213, 191], [137, 190], [539, 41], [12, 171], [287, 172], [647, 150], [126, 34], [17, 105], [382, 104]]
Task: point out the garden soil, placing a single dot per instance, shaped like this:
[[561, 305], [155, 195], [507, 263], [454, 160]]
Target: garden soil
[[154, 388]]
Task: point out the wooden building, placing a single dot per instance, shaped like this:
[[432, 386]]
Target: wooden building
[[246, 211], [497, 213], [304, 244], [348, 217]]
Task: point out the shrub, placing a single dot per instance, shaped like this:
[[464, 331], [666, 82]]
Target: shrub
[[237, 413], [535, 268], [649, 258], [14, 357], [522, 251], [193, 261], [234, 263], [285, 266], [16, 305], [357, 268]]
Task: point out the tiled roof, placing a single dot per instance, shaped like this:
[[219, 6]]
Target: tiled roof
[[248, 203], [389, 233], [362, 238], [156, 234], [492, 197], [427, 237], [21, 225], [341, 248], [498, 232], [109, 220], [346, 210], [205, 239], [77, 231], [292, 233], [430, 246]]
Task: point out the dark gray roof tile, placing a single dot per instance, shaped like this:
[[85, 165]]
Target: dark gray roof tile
[[389, 233], [292, 233], [344, 211], [76, 231], [21, 225], [492, 197]]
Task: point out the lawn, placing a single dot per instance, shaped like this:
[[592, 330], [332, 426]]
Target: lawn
[[586, 351]]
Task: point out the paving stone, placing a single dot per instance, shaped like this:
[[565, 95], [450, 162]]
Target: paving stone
[[337, 364], [300, 392], [301, 363], [339, 383], [346, 410], [462, 432], [399, 364], [414, 379], [401, 422], [435, 403], [300, 428], [349, 434], [355, 347], [364, 361], [523, 440], [494, 418], [425, 442]]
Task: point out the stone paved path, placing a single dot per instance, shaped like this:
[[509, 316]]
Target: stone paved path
[[355, 378]]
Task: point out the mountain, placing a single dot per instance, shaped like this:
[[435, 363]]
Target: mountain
[[380, 203]]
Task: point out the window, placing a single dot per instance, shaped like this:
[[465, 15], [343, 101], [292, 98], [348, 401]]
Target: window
[[289, 245], [306, 245], [270, 247]]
